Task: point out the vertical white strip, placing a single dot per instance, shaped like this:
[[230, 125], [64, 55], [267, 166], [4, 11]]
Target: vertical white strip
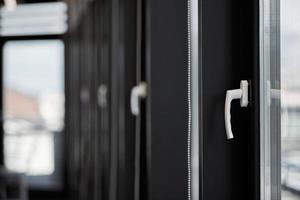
[[189, 145], [265, 154], [193, 100]]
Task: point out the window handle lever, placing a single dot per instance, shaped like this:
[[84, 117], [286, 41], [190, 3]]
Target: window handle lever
[[138, 92], [242, 94]]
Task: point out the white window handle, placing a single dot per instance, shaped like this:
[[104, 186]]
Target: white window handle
[[137, 92], [241, 94]]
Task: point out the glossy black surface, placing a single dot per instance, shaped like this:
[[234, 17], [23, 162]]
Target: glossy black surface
[[229, 31]]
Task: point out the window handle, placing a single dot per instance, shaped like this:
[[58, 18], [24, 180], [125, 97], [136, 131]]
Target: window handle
[[102, 96], [242, 94], [137, 92]]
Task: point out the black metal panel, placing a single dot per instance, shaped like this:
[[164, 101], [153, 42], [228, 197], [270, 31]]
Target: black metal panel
[[229, 34], [167, 117], [1, 108], [123, 73], [127, 74]]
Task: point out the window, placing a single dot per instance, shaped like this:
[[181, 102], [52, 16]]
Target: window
[[280, 104], [33, 109]]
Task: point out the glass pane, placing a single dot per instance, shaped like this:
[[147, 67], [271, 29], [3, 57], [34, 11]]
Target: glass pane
[[290, 99], [33, 76], [280, 99]]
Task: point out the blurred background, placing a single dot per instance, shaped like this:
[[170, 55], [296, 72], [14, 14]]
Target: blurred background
[[33, 99], [56, 63], [35, 156]]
